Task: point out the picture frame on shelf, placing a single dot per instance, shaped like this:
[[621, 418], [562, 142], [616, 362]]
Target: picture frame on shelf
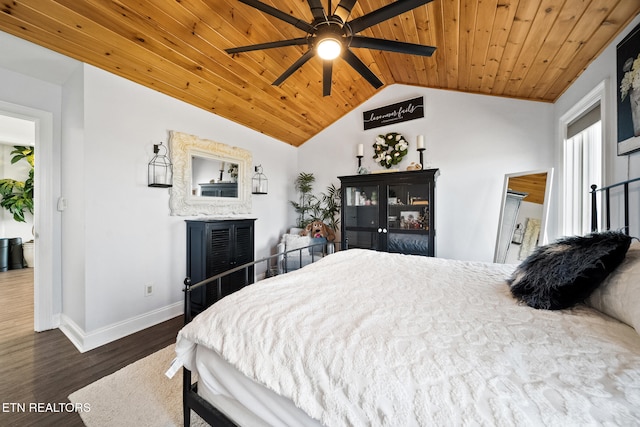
[[409, 219]]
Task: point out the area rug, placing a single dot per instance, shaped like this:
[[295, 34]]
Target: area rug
[[137, 395]]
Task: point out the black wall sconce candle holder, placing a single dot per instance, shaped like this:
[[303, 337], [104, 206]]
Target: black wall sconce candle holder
[[160, 169]]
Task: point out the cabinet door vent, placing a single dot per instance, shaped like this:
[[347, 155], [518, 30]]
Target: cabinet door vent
[[244, 247], [220, 256]]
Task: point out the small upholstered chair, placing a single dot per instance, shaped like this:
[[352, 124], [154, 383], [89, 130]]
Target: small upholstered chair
[[297, 259]]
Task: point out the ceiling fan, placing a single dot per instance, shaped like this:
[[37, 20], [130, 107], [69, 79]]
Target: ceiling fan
[[332, 36]]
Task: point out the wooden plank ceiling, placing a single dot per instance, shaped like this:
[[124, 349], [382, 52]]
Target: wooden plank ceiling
[[528, 49], [533, 184]]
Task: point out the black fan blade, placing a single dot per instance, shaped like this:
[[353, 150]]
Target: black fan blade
[[269, 45], [317, 10], [343, 10], [392, 46], [299, 63], [384, 13], [304, 26], [361, 68], [327, 71]]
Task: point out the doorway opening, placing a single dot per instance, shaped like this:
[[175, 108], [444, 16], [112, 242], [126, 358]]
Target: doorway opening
[[47, 285], [17, 156]]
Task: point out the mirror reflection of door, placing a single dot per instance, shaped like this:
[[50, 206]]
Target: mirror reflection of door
[[523, 215], [211, 177]]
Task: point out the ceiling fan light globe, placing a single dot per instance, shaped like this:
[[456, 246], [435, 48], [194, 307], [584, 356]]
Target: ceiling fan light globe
[[329, 48]]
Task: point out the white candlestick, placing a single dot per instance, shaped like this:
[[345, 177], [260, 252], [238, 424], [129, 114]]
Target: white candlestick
[[360, 150], [420, 141]]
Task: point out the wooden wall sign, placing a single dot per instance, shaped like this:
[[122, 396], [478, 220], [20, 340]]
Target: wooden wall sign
[[394, 113]]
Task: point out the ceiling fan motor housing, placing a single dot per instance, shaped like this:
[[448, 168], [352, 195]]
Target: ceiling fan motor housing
[[329, 39]]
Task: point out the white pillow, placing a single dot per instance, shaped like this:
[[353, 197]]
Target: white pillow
[[295, 241], [619, 295]]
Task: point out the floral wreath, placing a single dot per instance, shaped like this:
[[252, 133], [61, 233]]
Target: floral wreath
[[390, 149]]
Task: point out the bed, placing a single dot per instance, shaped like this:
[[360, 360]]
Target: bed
[[371, 338]]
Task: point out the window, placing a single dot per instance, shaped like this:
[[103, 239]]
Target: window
[[582, 168]]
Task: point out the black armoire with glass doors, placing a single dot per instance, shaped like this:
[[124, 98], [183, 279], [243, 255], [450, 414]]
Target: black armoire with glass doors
[[391, 212]]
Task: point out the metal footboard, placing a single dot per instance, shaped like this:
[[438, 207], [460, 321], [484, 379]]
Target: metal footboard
[[607, 204], [190, 398], [327, 248]]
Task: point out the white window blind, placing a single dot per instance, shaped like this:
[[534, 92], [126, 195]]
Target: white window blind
[[585, 120], [583, 167]]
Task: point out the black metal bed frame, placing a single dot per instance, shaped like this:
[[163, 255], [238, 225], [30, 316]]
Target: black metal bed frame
[[191, 400], [607, 204], [213, 416]]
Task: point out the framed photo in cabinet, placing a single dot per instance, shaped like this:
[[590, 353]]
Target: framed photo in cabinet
[[409, 219]]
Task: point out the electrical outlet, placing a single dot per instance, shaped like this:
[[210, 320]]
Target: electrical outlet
[[148, 290]]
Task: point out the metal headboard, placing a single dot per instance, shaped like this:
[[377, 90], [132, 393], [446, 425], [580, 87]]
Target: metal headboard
[[607, 204]]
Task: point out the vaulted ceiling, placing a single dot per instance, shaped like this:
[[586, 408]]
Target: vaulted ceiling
[[527, 49]]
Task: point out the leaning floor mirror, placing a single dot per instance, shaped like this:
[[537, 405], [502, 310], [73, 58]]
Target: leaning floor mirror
[[523, 215]]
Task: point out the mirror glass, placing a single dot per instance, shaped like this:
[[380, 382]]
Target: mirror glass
[[523, 215], [209, 177], [212, 177]]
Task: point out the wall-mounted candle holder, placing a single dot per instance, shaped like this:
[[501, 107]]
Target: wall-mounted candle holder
[[420, 145]]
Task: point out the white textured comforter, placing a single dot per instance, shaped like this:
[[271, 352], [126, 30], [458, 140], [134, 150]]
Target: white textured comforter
[[370, 338]]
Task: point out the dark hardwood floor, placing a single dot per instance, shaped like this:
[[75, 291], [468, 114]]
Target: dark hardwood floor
[[45, 367]]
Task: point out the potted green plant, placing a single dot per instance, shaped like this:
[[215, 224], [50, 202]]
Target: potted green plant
[[324, 207], [327, 207], [17, 196], [303, 185]]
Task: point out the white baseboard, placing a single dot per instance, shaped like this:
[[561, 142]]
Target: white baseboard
[[85, 341]]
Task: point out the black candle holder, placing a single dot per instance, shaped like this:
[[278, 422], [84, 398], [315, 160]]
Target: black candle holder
[[359, 161], [420, 150]]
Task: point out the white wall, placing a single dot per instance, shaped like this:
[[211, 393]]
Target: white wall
[[122, 228], [73, 167], [617, 168], [473, 139]]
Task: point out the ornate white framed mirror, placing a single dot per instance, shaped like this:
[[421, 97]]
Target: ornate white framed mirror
[[209, 177], [523, 214]]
